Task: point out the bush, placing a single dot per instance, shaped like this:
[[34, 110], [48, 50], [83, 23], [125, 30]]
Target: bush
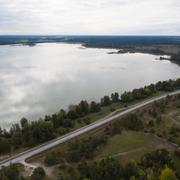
[[85, 148], [112, 109], [114, 128], [87, 120], [5, 146], [10, 173], [38, 174], [132, 122], [151, 123], [177, 152], [51, 159], [157, 159]]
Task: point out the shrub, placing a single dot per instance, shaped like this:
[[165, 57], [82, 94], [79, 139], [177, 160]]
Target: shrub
[[51, 159], [38, 174]]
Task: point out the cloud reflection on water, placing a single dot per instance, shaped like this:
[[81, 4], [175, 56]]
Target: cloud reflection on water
[[39, 80]]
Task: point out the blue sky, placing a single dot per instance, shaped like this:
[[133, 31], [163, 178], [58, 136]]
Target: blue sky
[[75, 17]]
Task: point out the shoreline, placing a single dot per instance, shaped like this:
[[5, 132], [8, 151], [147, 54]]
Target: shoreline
[[158, 50]]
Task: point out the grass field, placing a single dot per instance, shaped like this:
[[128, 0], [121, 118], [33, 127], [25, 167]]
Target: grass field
[[131, 145], [123, 143]]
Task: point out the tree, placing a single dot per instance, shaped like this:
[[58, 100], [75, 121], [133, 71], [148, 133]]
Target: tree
[[167, 174], [55, 121], [16, 139], [176, 58], [5, 145], [1, 131], [152, 88], [85, 148], [132, 170], [67, 123], [157, 159], [10, 173], [38, 174], [105, 101], [16, 135], [105, 169], [84, 107], [147, 91], [95, 107], [24, 122], [72, 114], [137, 93], [62, 114], [41, 131], [15, 128], [167, 85], [60, 177], [132, 122], [115, 97], [126, 97], [177, 83], [158, 86], [51, 159], [114, 128]]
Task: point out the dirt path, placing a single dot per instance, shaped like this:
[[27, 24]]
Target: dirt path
[[127, 152]]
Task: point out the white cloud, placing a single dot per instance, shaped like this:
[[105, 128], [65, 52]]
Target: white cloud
[[90, 17]]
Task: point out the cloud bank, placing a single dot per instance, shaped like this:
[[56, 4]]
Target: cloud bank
[[75, 17]]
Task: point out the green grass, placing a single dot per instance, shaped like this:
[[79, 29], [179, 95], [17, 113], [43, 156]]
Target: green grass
[[131, 145], [123, 143]]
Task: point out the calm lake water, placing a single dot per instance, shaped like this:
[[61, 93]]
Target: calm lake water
[[40, 80]]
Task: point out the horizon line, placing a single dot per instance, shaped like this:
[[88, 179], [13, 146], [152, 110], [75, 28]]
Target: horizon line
[[83, 35]]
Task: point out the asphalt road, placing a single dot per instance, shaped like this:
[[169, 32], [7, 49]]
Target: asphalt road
[[39, 149]]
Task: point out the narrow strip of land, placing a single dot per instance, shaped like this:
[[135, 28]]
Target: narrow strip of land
[[50, 144]]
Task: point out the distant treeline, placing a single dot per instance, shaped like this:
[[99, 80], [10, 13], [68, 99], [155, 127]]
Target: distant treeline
[[28, 134], [95, 41], [140, 44], [176, 58]]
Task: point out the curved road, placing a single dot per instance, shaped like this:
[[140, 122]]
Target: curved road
[[38, 149]]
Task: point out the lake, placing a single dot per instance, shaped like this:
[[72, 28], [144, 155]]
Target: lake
[[39, 80]]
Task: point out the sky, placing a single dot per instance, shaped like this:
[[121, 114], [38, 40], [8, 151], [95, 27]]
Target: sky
[[90, 17]]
